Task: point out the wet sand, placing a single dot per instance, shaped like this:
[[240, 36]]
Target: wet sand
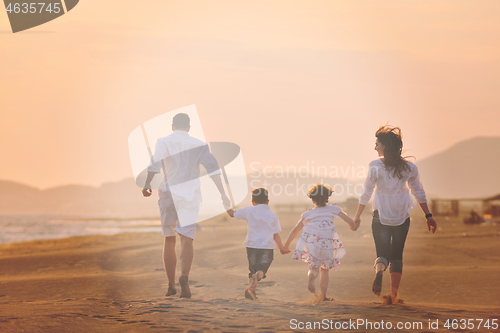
[[117, 283]]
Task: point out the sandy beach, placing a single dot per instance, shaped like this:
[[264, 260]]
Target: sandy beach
[[117, 283]]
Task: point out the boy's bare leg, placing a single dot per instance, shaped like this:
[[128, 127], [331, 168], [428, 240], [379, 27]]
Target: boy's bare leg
[[170, 262], [247, 291], [187, 255], [252, 284], [312, 274]]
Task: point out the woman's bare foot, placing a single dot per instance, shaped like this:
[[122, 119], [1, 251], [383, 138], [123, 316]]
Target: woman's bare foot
[[390, 299], [377, 283], [185, 292], [171, 291], [311, 275]]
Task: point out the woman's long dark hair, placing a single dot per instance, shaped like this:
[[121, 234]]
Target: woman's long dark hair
[[392, 139]]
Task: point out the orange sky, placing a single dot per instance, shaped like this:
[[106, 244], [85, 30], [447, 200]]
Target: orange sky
[[289, 81]]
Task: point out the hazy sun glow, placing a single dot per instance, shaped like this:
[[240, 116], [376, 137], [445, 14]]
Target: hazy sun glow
[[291, 82]]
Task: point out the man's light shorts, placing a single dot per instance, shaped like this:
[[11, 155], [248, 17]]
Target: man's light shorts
[[170, 218]]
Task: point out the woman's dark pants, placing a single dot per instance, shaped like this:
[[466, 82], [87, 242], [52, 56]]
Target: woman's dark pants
[[389, 243]]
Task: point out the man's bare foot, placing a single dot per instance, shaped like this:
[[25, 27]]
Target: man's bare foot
[[185, 292], [312, 275], [171, 291], [377, 283]]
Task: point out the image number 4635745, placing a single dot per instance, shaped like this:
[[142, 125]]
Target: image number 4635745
[[25, 15]]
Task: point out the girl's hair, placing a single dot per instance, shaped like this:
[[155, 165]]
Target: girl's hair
[[320, 193], [392, 139]]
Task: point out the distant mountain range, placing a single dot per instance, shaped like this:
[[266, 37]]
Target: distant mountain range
[[124, 198], [468, 169], [117, 199]]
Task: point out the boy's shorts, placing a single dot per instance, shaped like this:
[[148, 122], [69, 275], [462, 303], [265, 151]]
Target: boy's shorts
[[259, 260]]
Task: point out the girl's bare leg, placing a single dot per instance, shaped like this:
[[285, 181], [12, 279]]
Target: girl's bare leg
[[312, 274], [323, 281]]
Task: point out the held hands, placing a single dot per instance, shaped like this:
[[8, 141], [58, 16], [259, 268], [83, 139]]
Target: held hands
[[230, 212], [431, 224], [285, 250], [147, 192], [356, 224]]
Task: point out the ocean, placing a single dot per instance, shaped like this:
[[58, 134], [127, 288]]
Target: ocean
[[22, 228]]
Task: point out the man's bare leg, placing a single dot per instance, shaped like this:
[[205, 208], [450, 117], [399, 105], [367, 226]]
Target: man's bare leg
[[187, 255], [170, 262]]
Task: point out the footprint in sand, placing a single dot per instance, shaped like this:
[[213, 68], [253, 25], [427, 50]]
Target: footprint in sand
[[267, 284]]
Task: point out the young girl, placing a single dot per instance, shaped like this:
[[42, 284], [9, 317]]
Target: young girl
[[319, 244]]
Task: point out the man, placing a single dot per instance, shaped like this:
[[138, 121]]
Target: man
[[179, 156]]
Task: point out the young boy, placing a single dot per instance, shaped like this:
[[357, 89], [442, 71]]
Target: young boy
[[263, 232]]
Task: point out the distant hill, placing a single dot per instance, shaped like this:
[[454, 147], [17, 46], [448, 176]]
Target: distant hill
[[117, 199], [124, 199], [469, 169]]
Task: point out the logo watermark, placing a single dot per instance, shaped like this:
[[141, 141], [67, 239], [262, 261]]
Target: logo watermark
[[25, 15], [293, 181], [168, 158]]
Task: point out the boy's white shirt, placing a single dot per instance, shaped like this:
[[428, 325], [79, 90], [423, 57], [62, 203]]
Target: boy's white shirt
[[262, 225]]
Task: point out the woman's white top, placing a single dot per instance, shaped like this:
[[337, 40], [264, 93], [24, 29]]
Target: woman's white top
[[392, 195]]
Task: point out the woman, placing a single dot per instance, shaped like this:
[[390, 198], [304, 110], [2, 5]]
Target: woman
[[394, 177]]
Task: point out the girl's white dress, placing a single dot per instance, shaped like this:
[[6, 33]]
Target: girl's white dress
[[319, 245]]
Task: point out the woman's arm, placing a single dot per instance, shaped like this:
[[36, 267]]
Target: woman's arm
[[295, 231], [369, 186], [348, 220], [431, 223], [357, 217], [418, 192]]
